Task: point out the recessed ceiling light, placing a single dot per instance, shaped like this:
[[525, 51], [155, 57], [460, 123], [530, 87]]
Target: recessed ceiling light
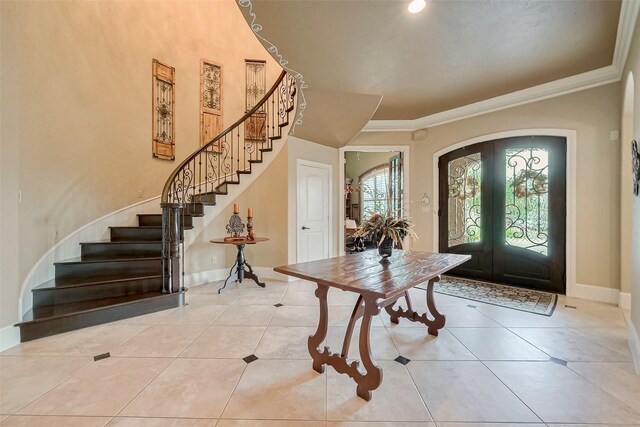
[[417, 5]]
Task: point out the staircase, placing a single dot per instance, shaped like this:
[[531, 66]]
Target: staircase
[[139, 270]]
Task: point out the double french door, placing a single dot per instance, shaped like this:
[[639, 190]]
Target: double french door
[[504, 203]]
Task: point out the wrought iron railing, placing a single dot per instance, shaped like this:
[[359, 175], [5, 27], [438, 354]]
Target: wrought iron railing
[[208, 172]]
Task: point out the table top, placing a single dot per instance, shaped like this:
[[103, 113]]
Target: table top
[[243, 241], [364, 274]]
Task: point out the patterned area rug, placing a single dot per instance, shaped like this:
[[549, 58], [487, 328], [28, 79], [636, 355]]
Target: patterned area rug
[[532, 301]]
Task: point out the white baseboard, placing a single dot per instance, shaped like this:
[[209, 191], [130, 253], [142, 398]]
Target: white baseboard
[[634, 345], [218, 274], [597, 293], [624, 301], [9, 337]]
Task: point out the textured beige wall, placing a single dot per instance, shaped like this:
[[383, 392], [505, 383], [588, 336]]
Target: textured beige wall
[[267, 195], [633, 66], [593, 114], [76, 89]]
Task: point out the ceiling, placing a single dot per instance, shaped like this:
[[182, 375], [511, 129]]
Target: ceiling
[[454, 53]]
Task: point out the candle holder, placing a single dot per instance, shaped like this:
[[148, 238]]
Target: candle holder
[[250, 234], [235, 227]]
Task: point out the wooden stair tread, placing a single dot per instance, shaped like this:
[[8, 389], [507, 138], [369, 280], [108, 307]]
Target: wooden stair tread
[[78, 260], [81, 282], [70, 309]]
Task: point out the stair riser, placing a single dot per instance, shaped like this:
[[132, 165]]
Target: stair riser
[[120, 250], [207, 199], [62, 295], [155, 220], [108, 269], [135, 234], [34, 330]]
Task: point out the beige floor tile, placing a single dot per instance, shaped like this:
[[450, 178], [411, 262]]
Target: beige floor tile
[[269, 423], [612, 338], [296, 315], [246, 315], [280, 342], [40, 421], [567, 345], [587, 314], [340, 297], [417, 344], [222, 342], [379, 424], [592, 425], [467, 391], [559, 395], [193, 314], [161, 422], [440, 424], [300, 298], [160, 341], [339, 315], [188, 388], [94, 341], [279, 389], [25, 378], [510, 318], [302, 286], [497, 344], [260, 297], [227, 297], [443, 300], [344, 405], [382, 346], [618, 379], [467, 317], [101, 389], [145, 319], [35, 346]]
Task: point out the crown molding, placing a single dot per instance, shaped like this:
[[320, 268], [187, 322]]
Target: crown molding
[[587, 80]]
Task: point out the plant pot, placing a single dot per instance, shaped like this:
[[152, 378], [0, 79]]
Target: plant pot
[[385, 249]]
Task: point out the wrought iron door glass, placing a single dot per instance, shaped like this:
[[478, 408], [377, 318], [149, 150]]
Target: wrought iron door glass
[[526, 222], [464, 202], [211, 86]]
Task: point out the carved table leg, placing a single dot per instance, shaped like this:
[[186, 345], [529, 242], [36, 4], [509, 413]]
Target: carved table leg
[[249, 274], [358, 311], [315, 340], [434, 325], [235, 265], [373, 378], [439, 319]]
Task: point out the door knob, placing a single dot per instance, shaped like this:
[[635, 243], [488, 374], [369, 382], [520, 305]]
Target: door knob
[[306, 228]]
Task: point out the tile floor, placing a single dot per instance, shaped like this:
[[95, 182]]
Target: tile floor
[[490, 366]]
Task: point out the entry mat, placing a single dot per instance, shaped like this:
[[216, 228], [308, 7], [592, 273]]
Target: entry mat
[[532, 301]]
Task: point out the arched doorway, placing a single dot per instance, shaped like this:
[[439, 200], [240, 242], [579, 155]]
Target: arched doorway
[[504, 202]]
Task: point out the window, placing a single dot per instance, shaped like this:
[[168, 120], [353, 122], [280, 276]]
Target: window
[[375, 191]]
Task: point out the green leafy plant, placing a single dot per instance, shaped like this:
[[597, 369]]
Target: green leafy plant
[[379, 227]]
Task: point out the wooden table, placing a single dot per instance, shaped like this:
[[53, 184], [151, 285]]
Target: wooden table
[[241, 262], [378, 286]]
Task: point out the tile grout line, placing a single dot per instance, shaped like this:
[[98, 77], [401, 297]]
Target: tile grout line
[[499, 379]]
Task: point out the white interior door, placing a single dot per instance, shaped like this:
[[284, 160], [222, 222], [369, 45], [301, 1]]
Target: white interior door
[[313, 212]]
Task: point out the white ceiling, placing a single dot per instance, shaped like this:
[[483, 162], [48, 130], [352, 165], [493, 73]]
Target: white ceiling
[[452, 54]]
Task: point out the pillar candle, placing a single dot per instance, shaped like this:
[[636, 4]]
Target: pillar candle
[[236, 208], [250, 213]]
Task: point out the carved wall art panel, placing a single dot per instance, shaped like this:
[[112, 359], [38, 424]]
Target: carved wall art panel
[[256, 87], [210, 101], [163, 114]]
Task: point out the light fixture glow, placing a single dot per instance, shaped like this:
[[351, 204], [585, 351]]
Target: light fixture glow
[[417, 5]]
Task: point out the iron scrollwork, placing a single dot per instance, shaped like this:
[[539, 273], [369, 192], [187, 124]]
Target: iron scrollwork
[[527, 200], [464, 183]]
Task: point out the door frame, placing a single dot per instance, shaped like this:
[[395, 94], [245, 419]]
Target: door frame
[[404, 149], [571, 137], [328, 167]]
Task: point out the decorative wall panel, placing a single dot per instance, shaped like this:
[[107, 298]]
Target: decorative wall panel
[[163, 114], [256, 87], [210, 101]]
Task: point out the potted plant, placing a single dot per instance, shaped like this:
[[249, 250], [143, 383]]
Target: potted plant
[[386, 231]]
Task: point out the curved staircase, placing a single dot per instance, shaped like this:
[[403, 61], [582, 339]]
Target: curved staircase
[[139, 270]]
